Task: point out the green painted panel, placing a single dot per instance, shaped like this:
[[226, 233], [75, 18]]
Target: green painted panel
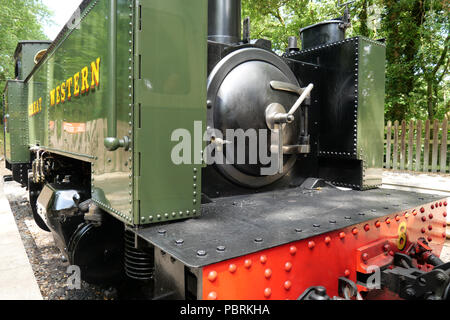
[[27, 51], [77, 126], [170, 94], [16, 134], [372, 57]]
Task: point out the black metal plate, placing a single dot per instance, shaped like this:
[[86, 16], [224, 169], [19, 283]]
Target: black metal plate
[[338, 86], [251, 223]]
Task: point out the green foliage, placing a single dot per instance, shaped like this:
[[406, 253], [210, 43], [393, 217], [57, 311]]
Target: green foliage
[[416, 33], [278, 19], [417, 58], [19, 20]]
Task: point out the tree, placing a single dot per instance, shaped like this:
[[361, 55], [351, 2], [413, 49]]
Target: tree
[[416, 33], [433, 56], [278, 19], [19, 20]]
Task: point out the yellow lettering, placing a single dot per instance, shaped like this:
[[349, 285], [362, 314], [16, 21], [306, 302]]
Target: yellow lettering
[[35, 107], [52, 97], [63, 92], [95, 73], [84, 80], [69, 85], [58, 97], [76, 84]]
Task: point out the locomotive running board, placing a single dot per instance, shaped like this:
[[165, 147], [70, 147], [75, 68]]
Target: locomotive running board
[[237, 226]]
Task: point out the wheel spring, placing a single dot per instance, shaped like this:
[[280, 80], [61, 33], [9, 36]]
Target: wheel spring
[[138, 264]]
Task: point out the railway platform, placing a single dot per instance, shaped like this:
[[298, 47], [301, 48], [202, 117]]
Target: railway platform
[[17, 280]]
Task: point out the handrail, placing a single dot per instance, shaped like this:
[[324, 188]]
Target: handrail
[[112, 142]]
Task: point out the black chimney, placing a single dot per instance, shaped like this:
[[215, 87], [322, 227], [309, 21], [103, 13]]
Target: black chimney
[[224, 21]]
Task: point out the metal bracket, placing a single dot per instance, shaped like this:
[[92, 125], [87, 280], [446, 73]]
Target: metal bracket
[[411, 283], [112, 144], [277, 118], [348, 289]]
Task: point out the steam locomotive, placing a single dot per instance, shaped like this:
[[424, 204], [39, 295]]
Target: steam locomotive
[[96, 127]]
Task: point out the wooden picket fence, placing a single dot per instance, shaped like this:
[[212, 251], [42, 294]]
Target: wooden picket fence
[[410, 146]]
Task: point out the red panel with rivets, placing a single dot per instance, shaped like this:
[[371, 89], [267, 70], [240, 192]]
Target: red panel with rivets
[[285, 272]]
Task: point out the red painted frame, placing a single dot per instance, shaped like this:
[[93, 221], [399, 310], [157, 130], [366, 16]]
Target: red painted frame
[[285, 272]]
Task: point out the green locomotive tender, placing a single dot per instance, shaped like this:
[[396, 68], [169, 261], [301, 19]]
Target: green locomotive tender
[[97, 105], [93, 118]]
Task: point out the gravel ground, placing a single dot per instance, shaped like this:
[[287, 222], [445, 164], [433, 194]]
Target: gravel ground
[[47, 262]]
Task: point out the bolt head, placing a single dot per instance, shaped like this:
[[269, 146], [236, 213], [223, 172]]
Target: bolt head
[[212, 276], [212, 296], [287, 285], [263, 259], [410, 292], [201, 253], [293, 250], [440, 277], [288, 266], [232, 268]]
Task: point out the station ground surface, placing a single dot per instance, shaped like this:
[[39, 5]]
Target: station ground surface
[[17, 280], [31, 267]]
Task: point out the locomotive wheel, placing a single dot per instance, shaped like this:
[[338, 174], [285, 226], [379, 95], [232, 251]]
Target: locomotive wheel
[[98, 251], [33, 191]]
